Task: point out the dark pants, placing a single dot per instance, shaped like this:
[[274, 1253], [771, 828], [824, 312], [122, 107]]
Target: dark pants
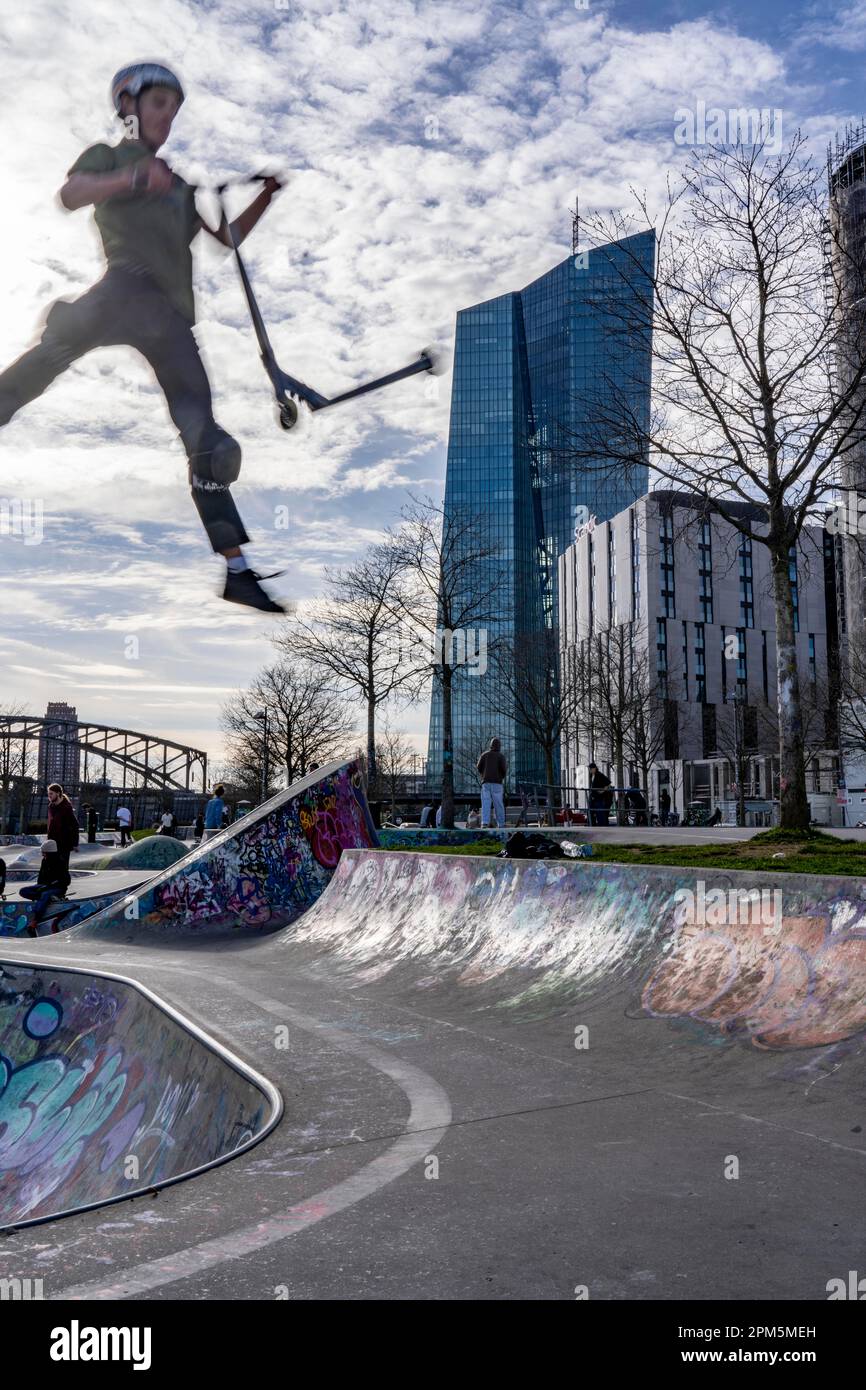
[[126, 308], [125, 836], [42, 897]]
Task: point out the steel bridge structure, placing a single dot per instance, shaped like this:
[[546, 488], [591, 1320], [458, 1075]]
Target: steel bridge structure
[[144, 761]]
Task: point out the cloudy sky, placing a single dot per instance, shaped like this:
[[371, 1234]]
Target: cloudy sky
[[434, 150]]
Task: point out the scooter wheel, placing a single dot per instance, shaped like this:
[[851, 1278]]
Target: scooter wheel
[[437, 359], [288, 415]]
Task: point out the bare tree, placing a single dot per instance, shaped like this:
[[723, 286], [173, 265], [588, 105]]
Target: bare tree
[[530, 686], [624, 702], [306, 723], [354, 636], [393, 760], [647, 732], [17, 763], [748, 314], [852, 703], [454, 578]]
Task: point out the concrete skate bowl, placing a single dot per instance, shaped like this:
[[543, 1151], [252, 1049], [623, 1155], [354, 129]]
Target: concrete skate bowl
[[106, 1093], [16, 915], [255, 876], [152, 852], [529, 940]]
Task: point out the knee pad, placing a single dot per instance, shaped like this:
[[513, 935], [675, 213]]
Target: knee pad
[[218, 459]]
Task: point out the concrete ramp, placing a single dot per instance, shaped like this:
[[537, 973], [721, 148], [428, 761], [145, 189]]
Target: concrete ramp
[[89, 892], [107, 1093], [779, 963], [257, 875]]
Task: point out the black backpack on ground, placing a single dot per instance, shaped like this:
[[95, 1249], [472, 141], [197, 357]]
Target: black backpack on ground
[[520, 845]]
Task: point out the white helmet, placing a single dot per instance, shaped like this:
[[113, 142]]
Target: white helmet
[[137, 76]]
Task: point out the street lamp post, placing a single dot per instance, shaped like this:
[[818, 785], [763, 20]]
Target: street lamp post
[[262, 718]]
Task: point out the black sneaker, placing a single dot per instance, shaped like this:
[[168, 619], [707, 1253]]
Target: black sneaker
[[245, 587]]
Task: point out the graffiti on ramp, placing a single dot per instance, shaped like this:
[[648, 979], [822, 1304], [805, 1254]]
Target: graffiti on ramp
[[260, 873]]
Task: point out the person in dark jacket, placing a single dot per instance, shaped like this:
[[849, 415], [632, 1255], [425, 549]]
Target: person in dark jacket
[[664, 805], [52, 882], [491, 768], [600, 796], [62, 823], [636, 801]]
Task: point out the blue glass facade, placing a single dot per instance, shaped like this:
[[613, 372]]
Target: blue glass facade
[[527, 367]]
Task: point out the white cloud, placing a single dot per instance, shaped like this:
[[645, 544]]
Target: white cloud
[[433, 149]]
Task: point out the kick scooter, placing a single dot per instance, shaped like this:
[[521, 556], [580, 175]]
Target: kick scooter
[[286, 387]]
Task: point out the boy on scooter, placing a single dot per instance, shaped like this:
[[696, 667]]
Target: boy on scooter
[[147, 219]]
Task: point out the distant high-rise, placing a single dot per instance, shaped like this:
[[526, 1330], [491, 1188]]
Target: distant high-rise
[[527, 367], [847, 177], [59, 754]]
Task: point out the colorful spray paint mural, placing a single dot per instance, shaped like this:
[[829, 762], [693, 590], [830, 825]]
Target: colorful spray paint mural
[[16, 914], [776, 964], [261, 872], [803, 985], [104, 1094]]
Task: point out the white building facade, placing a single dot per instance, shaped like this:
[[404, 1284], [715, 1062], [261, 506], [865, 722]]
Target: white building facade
[[667, 632]]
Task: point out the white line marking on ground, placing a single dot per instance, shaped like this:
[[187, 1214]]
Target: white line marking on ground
[[429, 1118]]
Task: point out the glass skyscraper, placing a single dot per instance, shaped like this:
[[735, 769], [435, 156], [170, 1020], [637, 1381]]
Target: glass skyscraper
[[529, 367]]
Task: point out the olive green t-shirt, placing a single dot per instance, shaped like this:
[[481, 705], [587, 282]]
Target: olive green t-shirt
[[141, 233]]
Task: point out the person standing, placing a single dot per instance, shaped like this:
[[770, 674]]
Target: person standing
[[213, 812], [199, 826], [63, 826], [664, 805], [491, 768], [124, 821], [600, 796]]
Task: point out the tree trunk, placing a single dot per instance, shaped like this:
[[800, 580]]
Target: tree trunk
[[372, 771], [549, 774], [621, 812], [447, 752], [794, 805]]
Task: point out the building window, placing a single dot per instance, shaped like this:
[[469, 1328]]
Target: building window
[[662, 656], [705, 573], [591, 552], [747, 595], [700, 666], [708, 729], [795, 585], [666, 541], [671, 730], [685, 661], [742, 667], [750, 728], [764, 671], [635, 565], [611, 574], [813, 665]]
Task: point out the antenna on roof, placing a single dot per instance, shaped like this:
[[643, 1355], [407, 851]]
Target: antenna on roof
[[575, 227]]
